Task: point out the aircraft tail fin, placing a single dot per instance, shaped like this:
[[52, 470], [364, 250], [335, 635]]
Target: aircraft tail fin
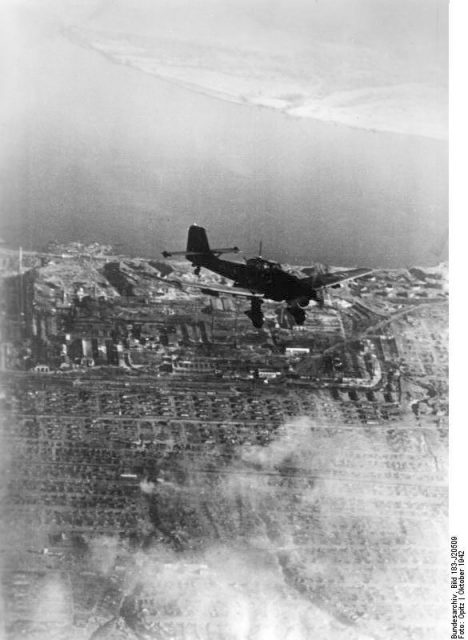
[[198, 247], [197, 241]]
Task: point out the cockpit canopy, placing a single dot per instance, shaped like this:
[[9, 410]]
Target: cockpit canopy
[[263, 265]]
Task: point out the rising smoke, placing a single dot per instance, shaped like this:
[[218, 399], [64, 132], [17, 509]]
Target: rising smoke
[[328, 531], [307, 537]]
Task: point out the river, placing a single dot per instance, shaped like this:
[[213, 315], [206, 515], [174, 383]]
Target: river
[[99, 151]]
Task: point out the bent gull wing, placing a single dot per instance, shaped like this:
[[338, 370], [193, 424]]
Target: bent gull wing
[[216, 290], [211, 289], [329, 279]]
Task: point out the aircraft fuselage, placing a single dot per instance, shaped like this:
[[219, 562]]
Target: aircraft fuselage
[[259, 276]]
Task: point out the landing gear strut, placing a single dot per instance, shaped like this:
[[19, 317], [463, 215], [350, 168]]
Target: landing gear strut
[[196, 271], [297, 313], [255, 313], [319, 298]]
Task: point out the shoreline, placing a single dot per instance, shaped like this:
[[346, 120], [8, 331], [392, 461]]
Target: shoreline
[[74, 36]]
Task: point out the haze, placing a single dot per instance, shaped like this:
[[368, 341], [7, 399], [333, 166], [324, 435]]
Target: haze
[[318, 127]]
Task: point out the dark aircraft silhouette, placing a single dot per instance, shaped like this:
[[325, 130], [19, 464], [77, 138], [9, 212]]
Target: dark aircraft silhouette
[[258, 278]]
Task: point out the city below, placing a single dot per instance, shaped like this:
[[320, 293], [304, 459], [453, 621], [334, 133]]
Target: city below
[[168, 470]]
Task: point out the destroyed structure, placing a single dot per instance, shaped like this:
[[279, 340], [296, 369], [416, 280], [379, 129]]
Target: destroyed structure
[[127, 405]]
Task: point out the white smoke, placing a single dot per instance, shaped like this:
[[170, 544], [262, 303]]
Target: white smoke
[[308, 537], [103, 553], [232, 594], [323, 533], [147, 486]]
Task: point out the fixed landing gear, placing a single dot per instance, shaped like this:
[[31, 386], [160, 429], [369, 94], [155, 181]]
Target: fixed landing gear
[[196, 271], [319, 298], [255, 313], [297, 313]]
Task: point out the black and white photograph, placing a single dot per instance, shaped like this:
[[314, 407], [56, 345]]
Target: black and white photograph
[[224, 293]]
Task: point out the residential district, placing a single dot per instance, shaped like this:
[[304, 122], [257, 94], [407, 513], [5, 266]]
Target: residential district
[[169, 471]]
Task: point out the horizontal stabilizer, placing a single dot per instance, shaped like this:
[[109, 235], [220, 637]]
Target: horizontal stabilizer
[[334, 279], [169, 254], [226, 250]]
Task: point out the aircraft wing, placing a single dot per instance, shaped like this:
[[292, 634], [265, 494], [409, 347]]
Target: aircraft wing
[[331, 279], [219, 289], [213, 289]]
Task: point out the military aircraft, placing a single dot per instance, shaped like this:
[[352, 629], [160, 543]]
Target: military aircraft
[[258, 279]]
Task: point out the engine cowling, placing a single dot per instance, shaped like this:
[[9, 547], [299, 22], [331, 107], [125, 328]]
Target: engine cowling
[[303, 302]]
